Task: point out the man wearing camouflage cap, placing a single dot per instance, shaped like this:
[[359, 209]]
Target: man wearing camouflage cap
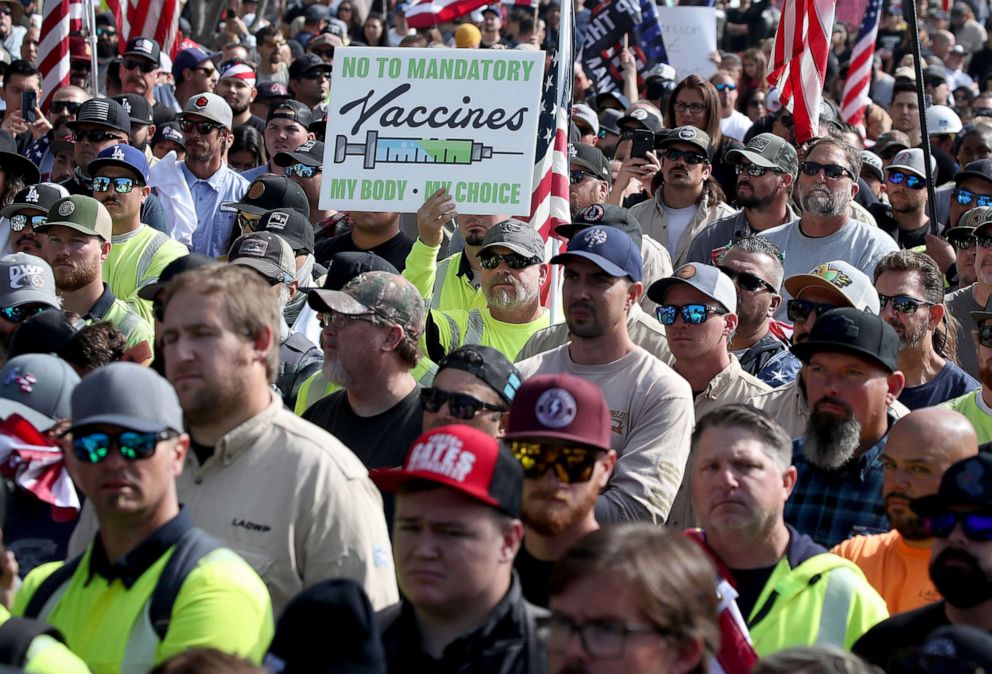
[[766, 171], [370, 341]]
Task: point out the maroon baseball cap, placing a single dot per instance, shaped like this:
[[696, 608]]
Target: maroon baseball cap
[[563, 407], [464, 459]]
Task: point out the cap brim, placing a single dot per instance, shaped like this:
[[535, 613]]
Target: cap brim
[[754, 158], [71, 225], [392, 479], [97, 164], [247, 208], [124, 421], [320, 299], [907, 169], [290, 158], [515, 247], [586, 165], [805, 350], [150, 291], [569, 231], [598, 260], [926, 505], [795, 285], [8, 211], [16, 164], [979, 316], [657, 290], [266, 268], [40, 421]]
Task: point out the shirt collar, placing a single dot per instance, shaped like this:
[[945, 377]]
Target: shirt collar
[[464, 268], [103, 305], [129, 568], [216, 181], [722, 381]]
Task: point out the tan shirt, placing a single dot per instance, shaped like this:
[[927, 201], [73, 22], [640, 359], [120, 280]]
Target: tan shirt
[[654, 222], [652, 418], [657, 264]]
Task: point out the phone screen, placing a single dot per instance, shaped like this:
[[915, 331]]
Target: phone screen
[[29, 99]]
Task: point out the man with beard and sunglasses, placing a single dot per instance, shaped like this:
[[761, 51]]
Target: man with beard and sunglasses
[[921, 447], [851, 375], [559, 431], [959, 517], [963, 303], [30, 208], [650, 405]]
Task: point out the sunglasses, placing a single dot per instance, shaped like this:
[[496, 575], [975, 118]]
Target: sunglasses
[[324, 53], [964, 243], [799, 310], [977, 526], [302, 171], [688, 156], [202, 128], [747, 281], [121, 185], [983, 241], [316, 75], [136, 64], [903, 304], [95, 136], [907, 179], [461, 406], [692, 314], [5, 11], [70, 107], [966, 197], [512, 260], [19, 222], [95, 447], [985, 334], [753, 170], [694, 108], [21, 313], [247, 221], [576, 177], [106, 32], [831, 171], [725, 87], [572, 464]]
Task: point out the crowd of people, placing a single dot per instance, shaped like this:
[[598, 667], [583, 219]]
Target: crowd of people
[[242, 433]]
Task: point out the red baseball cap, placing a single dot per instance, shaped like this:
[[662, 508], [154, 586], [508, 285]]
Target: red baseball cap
[[464, 459], [563, 407]]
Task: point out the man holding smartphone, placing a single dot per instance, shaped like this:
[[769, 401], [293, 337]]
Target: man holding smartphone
[[23, 119]]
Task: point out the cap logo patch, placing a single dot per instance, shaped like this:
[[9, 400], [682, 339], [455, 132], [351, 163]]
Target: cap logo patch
[[848, 328], [32, 196], [556, 408], [143, 45], [687, 133], [253, 247], [307, 146], [688, 271], [970, 479], [595, 237], [118, 154], [201, 102], [903, 157], [942, 647], [758, 144], [67, 208], [833, 276], [593, 213], [126, 104], [441, 454], [256, 190], [24, 275], [172, 134], [639, 115], [25, 382], [277, 221], [572, 151]]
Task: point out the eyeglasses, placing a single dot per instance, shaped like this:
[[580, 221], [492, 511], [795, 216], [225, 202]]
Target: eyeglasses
[[693, 314], [688, 156], [903, 304], [831, 171], [572, 464], [576, 177], [4, 10], [605, 639], [977, 526], [202, 128], [964, 243], [95, 136], [20, 221], [461, 406], [302, 171], [134, 446], [694, 108], [339, 320], [137, 64], [121, 185], [316, 75], [747, 281], [907, 179], [512, 260], [725, 86], [985, 334], [753, 170], [70, 107], [324, 53], [798, 311], [247, 221], [966, 197], [105, 32], [21, 313]]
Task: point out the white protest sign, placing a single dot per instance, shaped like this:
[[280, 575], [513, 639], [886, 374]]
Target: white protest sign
[[690, 37], [403, 122]]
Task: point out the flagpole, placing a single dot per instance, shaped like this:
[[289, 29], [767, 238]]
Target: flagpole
[[914, 31], [90, 12]]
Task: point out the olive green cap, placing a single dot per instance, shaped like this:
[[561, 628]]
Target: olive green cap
[[81, 213]]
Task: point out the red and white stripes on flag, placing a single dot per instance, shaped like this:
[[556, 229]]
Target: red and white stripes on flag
[[53, 50], [799, 61], [855, 96], [427, 13], [157, 19]]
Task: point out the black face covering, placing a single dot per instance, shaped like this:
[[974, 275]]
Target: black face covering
[[106, 50], [962, 587]]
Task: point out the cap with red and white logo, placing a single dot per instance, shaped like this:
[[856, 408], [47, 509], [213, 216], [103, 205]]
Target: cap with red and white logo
[[464, 459], [209, 106]]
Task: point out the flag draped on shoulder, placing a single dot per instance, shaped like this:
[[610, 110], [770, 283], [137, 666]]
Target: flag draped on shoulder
[[855, 96], [53, 50], [610, 20], [427, 13], [157, 19], [799, 61]]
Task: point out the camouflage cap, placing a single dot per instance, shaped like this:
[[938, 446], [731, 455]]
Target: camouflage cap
[[769, 151], [516, 235], [971, 219], [389, 296], [81, 213]]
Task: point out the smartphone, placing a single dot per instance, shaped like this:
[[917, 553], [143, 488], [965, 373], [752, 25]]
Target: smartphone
[[29, 100], [642, 142], [228, 14]]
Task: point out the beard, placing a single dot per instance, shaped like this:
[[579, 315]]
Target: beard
[[508, 298], [908, 524], [591, 329], [474, 237], [831, 442], [337, 373], [106, 50], [556, 521], [75, 276], [962, 588], [819, 201], [237, 109], [910, 336]]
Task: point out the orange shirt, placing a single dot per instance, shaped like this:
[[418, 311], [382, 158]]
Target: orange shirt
[[899, 572]]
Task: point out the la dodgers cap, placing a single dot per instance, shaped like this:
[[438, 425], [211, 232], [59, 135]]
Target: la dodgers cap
[[39, 197], [124, 156]]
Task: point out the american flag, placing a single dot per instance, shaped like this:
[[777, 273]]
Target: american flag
[[855, 96], [427, 13], [158, 20], [53, 50], [799, 61], [521, 3]]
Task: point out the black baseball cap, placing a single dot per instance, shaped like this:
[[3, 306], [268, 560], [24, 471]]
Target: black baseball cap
[[641, 118], [137, 108], [169, 131], [38, 197], [269, 192], [172, 270], [965, 483], [270, 90], [608, 121], [342, 267], [291, 109], [103, 111], [848, 330], [592, 159], [291, 225], [606, 215], [305, 64], [487, 364], [976, 169], [145, 47], [311, 153]]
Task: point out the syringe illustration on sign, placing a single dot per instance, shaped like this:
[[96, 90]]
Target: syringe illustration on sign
[[413, 150]]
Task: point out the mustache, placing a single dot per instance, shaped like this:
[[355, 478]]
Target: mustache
[[957, 555], [837, 402], [581, 305]]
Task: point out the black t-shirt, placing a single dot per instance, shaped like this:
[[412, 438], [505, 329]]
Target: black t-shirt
[[395, 250], [535, 577], [899, 633], [257, 122], [750, 583]]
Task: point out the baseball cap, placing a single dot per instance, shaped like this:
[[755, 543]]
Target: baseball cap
[[622, 100], [935, 73], [38, 197], [128, 395], [977, 316], [172, 270], [516, 235], [608, 248], [48, 332], [904, 72], [143, 46], [871, 162], [137, 107], [103, 111], [911, 161], [125, 156], [958, 649], [662, 71], [238, 70], [342, 267], [316, 12], [269, 192], [267, 253], [26, 279], [592, 159], [15, 164], [81, 213], [209, 106], [690, 135], [492, 8], [79, 49], [563, 407], [582, 112], [305, 64], [188, 58], [605, 215], [608, 121], [169, 131], [487, 364], [291, 109], [706, 279], [311, 153], [967, 482], [292, 226], [269, 90], [851, 286], [976, 169], [972, 220], [388, 296], [848, 330], [889, 140], [769, 151], [641, 118], [38, 387], [465, 460]]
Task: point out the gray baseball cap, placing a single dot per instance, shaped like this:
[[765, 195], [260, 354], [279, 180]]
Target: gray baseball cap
[[209, 106], [852, 287], [770, 151], [911, 161], [872, 162], [26, 279], [516, 235], [706, 279], [37, 386], [267, 253], [127, 395]]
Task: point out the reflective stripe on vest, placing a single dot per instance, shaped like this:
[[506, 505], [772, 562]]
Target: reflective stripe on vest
[[454, 340], [837, 600], [475, 328], [440, 276], [148, 255]]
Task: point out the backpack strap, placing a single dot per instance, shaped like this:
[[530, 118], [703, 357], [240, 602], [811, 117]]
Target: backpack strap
[[192, 546], [50, 586], [17, 635]]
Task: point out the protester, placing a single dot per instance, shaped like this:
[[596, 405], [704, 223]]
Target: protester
[[30, 208], [474, 386], [285, 130]]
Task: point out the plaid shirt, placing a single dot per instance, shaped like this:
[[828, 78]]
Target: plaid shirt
[[833, 505]]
